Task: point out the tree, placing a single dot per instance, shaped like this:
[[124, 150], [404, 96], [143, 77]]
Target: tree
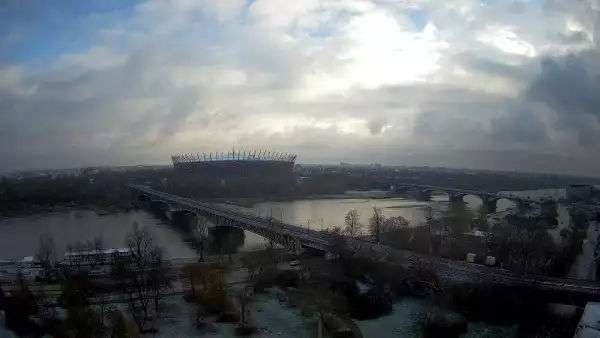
[[458, 217], [76, 293], [46, 253], [535, 243], [336, 230], [353, 225], [139, 242], [482, 214], [144, 275], [121, 328], [159, 276], [25, 299], [324, 302], [244, 299], [85, 323], [375, 222], [45, 304], [394, 223], [201, 233], [256, 261]]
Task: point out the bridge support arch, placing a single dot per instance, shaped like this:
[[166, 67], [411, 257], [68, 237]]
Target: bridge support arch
[[424, 196], [490, 204]]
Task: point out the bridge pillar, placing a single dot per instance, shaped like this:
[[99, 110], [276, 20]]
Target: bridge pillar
[[456, 198], [522, 204], [424, 196], [490, 205], [297, 247]]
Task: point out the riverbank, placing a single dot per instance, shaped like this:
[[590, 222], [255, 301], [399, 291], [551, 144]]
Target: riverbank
[[48, 211]]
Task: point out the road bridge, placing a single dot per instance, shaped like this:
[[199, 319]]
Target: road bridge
[[296, 238], [292, 237]]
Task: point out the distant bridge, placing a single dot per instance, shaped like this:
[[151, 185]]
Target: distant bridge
[[488, 199], [296, 238]]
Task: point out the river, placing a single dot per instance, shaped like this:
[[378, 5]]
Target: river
[[19, 237]]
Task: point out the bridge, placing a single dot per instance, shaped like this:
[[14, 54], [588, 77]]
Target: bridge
[[292, 237], [489, 199], [296, 239]]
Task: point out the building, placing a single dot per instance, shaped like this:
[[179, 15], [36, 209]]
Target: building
[[580, 192], [224, 167]]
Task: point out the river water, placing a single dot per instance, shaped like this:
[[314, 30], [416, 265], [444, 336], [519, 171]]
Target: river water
[[19, 237]]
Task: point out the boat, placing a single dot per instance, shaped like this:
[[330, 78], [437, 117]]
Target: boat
[[96, 256]]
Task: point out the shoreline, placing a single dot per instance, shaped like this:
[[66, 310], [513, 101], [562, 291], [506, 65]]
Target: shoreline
[[57, 210]]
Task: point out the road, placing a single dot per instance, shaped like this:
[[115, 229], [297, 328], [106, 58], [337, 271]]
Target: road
[[586, 263]]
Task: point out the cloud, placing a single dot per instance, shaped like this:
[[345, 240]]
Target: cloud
[[569, 86], [409, 82]]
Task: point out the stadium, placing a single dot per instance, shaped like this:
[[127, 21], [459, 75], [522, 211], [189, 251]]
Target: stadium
[[257, 164]]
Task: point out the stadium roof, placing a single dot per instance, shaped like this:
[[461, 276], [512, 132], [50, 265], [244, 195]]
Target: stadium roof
[[257, 155]]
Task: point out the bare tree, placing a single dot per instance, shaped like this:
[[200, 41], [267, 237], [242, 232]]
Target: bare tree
[[394, 223], [46, 253], [144, 276], [459, 217], [375, 222], [324, 302], [255, 262], [45, 304], [140, 244], [159, 276], [482, 215], [336, 230], [353, 225], [244, 298], [201, 234]]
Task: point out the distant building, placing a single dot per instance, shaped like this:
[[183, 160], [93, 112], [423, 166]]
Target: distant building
[[580, 192], [223, 167]]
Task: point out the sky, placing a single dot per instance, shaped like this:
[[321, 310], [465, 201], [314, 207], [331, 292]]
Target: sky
[[490, 84]]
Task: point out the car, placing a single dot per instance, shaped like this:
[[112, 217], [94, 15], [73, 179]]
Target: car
[[295, 263]]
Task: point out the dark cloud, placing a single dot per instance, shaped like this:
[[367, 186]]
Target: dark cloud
[[519, 124], [570, 87], [573, 38], [377, 125]]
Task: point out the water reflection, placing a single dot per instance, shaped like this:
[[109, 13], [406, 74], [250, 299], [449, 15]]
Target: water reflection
[[19, 236]]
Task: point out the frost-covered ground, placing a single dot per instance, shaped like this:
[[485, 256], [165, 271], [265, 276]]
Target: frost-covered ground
[[270, 317], [404, 322]]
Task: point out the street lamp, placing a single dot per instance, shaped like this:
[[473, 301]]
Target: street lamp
[[321, 219], [280, 215]]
